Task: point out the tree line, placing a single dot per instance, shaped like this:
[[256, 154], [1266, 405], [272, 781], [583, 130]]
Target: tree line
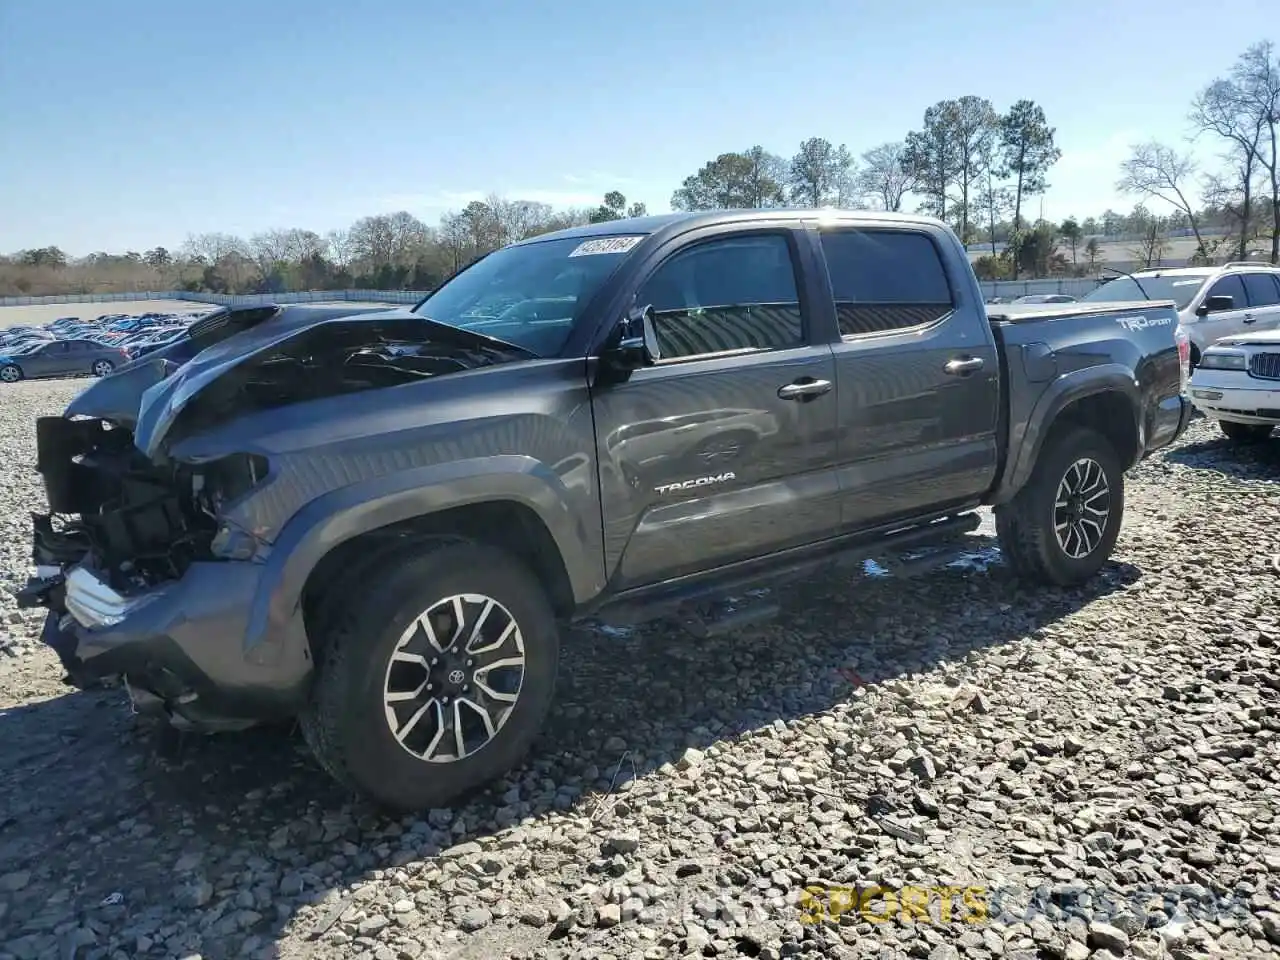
[[976, 167]]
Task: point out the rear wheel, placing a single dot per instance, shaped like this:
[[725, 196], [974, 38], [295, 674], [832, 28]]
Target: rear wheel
[[1062, 526], [435, 681], [102, 367], [1245, 432], [10, 373]]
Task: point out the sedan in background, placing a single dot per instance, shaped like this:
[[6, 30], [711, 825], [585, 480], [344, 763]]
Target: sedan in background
[[1238, 384], [61, 358]]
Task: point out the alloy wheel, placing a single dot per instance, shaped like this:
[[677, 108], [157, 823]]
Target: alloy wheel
[[454, 677], [1081, 508]]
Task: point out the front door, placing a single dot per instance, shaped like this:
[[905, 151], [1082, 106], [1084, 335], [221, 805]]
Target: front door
[[918, 375], [725, 449], [1226, 323]]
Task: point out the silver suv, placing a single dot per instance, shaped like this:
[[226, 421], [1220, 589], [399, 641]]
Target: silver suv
[[1212, 302]]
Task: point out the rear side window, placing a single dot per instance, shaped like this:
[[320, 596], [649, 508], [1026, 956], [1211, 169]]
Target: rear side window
[[885, 280], [1230, 287], [1263, 289]]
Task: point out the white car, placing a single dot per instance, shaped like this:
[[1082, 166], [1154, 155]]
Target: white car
[[1212, 302], [1238, 384]]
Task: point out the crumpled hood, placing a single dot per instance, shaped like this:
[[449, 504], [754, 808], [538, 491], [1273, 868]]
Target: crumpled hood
[[149, 394]]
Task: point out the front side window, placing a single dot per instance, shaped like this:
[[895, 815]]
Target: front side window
[[531, 294], [736, 293], [1231, 287], [885, 280]]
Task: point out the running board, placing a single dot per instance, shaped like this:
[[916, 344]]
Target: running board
[[673, 598]]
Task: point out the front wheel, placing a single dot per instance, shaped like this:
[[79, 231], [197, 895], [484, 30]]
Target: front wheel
[[1245, 432], [437, 680], [1062, 526], [102, 367], [10, 373]]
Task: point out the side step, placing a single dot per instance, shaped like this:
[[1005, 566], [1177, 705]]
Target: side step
[[674, 599]]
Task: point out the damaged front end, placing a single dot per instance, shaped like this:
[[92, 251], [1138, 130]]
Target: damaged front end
[[142, 572]]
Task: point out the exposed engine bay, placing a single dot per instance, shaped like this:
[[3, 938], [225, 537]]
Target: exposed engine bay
[[334, 359], [141, 523], [142, 520]]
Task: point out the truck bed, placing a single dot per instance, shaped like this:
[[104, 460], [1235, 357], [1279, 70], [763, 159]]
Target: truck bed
[[1034, 312]]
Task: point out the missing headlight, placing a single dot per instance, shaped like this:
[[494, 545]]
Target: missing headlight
[[223, 481]]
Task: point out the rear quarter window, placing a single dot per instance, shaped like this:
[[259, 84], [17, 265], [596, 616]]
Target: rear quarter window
[[884, 280]]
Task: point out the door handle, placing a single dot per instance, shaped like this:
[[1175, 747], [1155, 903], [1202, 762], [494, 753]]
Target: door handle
[[1249, 318], [805, 389], [962, 368]]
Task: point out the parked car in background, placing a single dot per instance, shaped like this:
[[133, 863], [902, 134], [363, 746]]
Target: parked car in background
[[1046, 298], [1212, 302], [1238, 384], [62, 358]]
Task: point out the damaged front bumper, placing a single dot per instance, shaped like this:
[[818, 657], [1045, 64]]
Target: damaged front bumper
[[125, 566], [181, 644]]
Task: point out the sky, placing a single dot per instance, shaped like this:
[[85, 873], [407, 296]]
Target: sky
[[136, 123]]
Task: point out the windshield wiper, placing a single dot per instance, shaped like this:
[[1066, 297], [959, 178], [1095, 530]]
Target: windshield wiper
[[473, 338], [1131, 277]]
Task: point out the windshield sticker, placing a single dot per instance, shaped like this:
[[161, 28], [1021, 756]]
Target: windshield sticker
[[605, 245]]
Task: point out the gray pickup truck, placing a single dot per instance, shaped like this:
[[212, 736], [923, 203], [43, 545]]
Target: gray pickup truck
[[379, 521]]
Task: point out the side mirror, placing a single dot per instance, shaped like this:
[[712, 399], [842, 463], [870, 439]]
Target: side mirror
[[634, 345], [1216, 304]]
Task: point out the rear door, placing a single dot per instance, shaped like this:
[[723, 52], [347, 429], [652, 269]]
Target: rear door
[[1226, 323], [1263, 289], [49, 360], [918, 375], [725, 449]]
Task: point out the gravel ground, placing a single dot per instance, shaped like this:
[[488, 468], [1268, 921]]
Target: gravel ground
[[1079, 773]]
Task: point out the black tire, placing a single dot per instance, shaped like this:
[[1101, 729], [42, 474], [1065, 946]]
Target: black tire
[[1026, 525], [1245, 432], [346, 723], [10, 373], [102, 368]]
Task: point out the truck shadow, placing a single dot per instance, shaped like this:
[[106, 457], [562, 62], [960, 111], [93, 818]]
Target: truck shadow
[[248, 842], [1247, 461]]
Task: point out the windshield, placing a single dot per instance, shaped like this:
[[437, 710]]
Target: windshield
[[1180, 289], [529, 295]]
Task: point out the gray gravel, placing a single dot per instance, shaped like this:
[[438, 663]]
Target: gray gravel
[[1094, 770]]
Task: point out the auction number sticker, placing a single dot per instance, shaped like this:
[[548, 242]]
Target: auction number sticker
[[605, 245]]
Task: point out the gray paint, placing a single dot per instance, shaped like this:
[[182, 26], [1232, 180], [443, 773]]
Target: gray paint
[[896, 438]]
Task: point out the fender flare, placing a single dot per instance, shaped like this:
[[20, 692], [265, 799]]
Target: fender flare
[[275, 627], [1061, 393]]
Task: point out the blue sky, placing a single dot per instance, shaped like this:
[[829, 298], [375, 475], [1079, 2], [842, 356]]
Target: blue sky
[[137, 122]]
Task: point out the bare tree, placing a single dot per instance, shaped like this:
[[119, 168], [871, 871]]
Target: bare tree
[[885, 176], [1159, 171], [1222, 110], [210, 248], [1257, 76], [338, 248], [1152, 245]]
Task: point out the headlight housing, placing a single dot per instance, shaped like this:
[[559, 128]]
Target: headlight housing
[[1213, 359]]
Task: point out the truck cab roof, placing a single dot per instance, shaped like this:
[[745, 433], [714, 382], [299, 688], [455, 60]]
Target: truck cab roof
[[682, 221]]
